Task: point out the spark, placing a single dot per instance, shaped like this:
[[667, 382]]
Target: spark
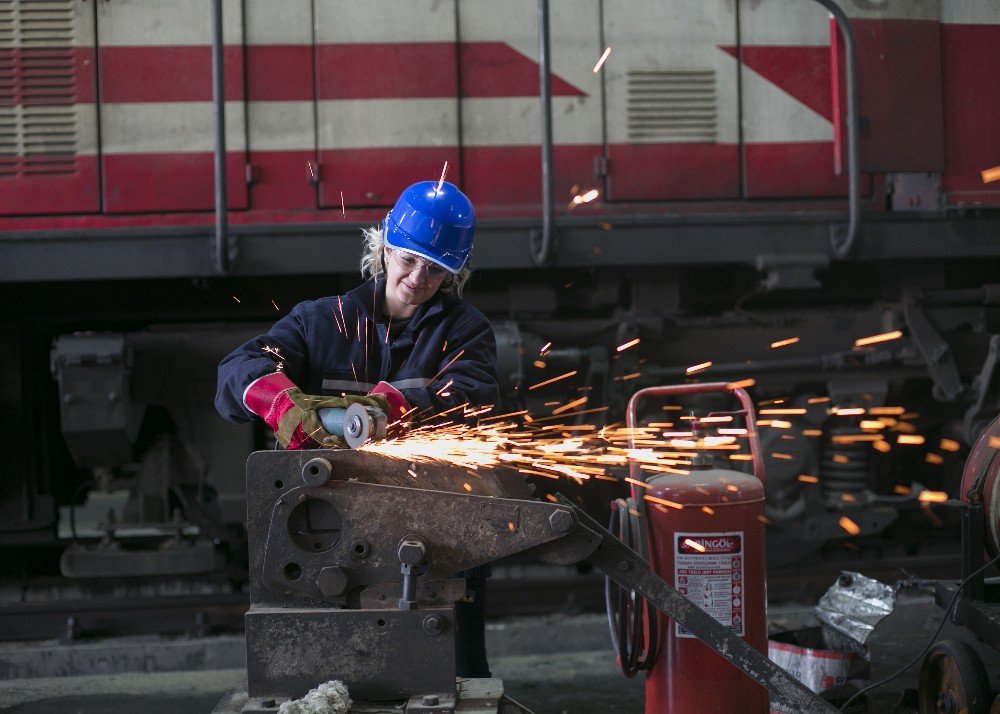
[[882, 445], [817, 400], [994, 442], [784, 343], [872, 424], [236, 298], [847, 411], [786, 457], [604, 56], [848, 525], [812, 432], [782, 411], [740, 457], [887, 411], [444, 172], [630, 343], [552, 498], [538, 363], [697, 368], [585, 197], [511, 527], [933, 458], [707, 510], [884, 337], [901, 490], [765, 520], [848, 498], [643, 484], [550, 381], [694, 545], [467, 487], [840, 459], [932, 497], [630, 375], [806, 478], [780, 424], [450, 363], [988, 174], [275, 305], [545, 349], [950, 445], [570, 405], [742, 384], [909, 439], [343, 208], [411, 472], [663, 502], [604, 226], [732, 489], [733, 432]]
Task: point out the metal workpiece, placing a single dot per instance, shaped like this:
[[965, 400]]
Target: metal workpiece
[[312, 528], [319, 554]]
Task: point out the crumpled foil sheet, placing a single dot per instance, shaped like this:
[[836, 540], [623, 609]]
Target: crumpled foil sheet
[[855, 604]]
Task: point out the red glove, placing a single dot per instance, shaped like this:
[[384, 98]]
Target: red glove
[[398, 406], [268, 397]]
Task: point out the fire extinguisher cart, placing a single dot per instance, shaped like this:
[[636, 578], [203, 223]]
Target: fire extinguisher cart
[[701, 527]]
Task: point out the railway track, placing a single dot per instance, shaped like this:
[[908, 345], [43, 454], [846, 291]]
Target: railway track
[[515, 589]]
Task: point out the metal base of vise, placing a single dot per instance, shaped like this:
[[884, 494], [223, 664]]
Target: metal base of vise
[[474, 696]]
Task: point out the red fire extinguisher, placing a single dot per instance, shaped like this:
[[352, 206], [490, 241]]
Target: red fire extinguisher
[[703, 533]]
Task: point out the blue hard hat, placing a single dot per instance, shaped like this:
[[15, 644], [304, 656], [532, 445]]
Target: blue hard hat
[[434, 223]]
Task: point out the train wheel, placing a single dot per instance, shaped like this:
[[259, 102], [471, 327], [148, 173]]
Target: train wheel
[[953, 681]]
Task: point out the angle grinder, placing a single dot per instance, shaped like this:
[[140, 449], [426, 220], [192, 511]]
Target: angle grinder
[[357, 424]]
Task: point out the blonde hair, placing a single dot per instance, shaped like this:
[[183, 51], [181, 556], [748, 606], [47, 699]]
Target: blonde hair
[[373, 263]]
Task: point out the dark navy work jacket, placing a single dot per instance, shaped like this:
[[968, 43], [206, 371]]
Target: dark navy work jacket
[[445, 357]]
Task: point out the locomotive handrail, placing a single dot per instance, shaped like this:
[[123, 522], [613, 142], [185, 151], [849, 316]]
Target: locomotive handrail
[[842, 249], [541, 245], [677, 389], [219, 115]]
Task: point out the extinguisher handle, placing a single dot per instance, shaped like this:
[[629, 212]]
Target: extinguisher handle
[[673, 390]]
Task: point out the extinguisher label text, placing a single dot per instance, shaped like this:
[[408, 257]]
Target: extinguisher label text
[[708, 570]]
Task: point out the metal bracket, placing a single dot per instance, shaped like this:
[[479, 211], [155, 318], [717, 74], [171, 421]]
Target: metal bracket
[[935, 351]]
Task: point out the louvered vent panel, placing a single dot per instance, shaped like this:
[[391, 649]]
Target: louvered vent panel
[[677, 105], [38, 123]]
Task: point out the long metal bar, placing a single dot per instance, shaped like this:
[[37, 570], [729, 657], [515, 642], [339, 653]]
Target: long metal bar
[[625, 567], [219, 113], [843, 248], [542, 245]]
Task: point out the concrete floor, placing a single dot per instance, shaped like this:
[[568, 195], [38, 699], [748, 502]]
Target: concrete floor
[[553, 665]]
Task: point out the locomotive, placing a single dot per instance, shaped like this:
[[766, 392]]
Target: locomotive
[[755, 185]]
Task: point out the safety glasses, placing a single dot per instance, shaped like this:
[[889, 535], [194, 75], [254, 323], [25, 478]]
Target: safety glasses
[[408, 263]]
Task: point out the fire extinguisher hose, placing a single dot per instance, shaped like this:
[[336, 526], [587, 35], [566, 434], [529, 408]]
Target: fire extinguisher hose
[[631, 619]]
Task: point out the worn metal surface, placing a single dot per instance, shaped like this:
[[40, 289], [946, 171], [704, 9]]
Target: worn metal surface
[[359, 527], [855, 604], [380, 655]]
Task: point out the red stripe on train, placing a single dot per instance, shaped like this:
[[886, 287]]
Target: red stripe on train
[[342, 71]]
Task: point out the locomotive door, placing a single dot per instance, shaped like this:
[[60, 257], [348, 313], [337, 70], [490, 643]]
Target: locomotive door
[[386, 97], [157, 131], [671, 100], [48, 122]]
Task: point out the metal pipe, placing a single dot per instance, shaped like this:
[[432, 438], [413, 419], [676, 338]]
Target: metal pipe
[[219, 112], [541, 245], [842, 248]]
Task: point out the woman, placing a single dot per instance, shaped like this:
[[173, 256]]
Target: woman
[[405, 337]]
